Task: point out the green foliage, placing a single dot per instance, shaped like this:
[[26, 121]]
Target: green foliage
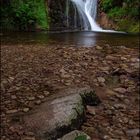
[[24, 14], [107, 4], [121, 8], [125, 13], [83, 137], [128, 25], [117, 12]]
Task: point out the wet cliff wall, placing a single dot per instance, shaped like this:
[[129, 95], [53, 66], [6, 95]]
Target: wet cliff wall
[[119, 15], [63, 15]]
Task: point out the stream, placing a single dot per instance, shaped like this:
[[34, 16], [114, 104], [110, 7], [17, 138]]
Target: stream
[[72, 39]]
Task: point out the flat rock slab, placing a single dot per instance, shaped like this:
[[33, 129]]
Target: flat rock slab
[[60, 115]]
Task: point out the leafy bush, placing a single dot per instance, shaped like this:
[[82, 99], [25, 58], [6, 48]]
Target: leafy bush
[[107, 4], [121, 8], [117, 12], [25, 14]]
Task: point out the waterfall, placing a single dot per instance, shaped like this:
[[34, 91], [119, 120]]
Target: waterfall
[[67, 12], [75, 17], [87, 10]]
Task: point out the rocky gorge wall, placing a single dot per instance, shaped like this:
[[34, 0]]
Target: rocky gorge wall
[[61, 13]]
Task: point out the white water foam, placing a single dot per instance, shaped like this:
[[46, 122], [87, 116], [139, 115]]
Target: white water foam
[[87, 10]]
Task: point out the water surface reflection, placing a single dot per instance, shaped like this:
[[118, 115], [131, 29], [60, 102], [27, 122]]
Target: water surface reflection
[[84, 39]]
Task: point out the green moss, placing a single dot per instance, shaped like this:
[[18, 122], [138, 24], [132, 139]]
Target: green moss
[[83, 137], [128, 25]]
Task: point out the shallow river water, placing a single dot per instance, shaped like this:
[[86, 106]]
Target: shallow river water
[[76, 39]]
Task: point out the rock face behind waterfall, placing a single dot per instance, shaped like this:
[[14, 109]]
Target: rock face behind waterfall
[[61, 13], [73, 14]]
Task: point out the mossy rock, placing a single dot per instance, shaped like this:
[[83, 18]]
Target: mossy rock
[[75, 135]]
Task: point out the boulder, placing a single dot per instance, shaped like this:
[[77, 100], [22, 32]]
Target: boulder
[[59, 115]]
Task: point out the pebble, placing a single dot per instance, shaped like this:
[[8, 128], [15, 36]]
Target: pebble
[[29, 133], [106, 137], [31, 98], [136, 138], [120, 96], [40, 96], [120, 90], [46, 93], [119, 106], [11, 111], [13, 97], [26, 109], [38, 102], [91, 110], [133, 132], [123, 58], [134, 60], [104, 68], [67, 83], [110, 57], [28, 138], [135, 65], [126, 101], [99, 48], [122, 47], [101, 79]]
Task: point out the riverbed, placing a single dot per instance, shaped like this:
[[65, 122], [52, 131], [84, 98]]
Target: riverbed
[[35, 66]]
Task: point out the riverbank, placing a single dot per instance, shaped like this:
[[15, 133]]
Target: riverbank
[[30, 74]]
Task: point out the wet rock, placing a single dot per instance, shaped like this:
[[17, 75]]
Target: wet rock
[[54, 117], [133, 132], [135, 65], [134, 60], [106, 137], [120, 90], [122, 47], [28, 138], [91, 110], [104, 68], [123, 58], [101, 79], [46, 93], [31, 98], [29, 134], [26, 109], [75, 135], [38, 102], [11, 111], [13, 97], [120, 96], [109, 57], [64, 74], [41, 96], [136, 138], [119, 106], [99, 48]]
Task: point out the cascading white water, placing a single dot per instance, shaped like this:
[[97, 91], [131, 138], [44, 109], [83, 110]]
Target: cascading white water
[[67, 12], [87, 10]]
